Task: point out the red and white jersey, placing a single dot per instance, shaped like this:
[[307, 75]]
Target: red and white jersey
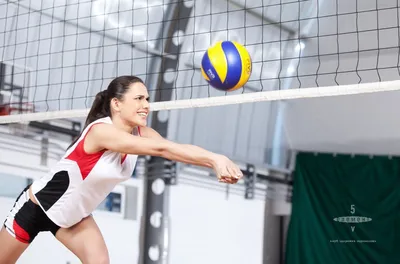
[[79, 182]]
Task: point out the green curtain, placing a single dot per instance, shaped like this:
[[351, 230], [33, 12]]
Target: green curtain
[[345, 210]]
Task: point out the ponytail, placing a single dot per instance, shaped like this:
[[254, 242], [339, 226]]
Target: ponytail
[[100, 108]]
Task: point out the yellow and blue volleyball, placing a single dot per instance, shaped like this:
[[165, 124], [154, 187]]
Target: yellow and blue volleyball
[[226, 66]]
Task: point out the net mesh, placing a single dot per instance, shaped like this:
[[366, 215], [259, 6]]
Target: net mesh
[[56, 55]]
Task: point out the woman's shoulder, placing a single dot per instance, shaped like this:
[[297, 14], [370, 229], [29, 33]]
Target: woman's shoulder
[[148, 132], [103, 120], [106, 120]]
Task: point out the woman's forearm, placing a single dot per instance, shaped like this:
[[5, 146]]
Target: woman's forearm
[[189, 154]]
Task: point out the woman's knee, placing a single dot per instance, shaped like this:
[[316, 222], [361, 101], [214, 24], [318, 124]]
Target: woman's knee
[[96, 258], [10, 248]]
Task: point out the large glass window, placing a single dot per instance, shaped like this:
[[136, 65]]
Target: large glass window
[[11, 186], [112, 203]]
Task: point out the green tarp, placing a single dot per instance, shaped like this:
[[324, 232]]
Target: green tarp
[[345, 210]]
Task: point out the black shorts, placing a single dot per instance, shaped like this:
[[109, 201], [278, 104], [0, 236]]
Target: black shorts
[[26, 219]]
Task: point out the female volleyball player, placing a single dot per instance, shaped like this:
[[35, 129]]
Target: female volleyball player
[[103, 155]]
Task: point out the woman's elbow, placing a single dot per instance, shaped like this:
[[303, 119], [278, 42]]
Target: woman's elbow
[[166, 149], [159, 149]]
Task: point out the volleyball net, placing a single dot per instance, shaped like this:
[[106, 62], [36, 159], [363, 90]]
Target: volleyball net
[[56, 55]]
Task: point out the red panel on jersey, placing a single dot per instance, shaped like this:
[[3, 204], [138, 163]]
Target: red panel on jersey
[[85, 161], [123, 158]]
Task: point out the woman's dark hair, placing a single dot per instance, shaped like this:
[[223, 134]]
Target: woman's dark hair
[[101, 104]]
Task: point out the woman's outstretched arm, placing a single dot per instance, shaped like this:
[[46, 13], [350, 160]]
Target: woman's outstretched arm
[[106, 136]]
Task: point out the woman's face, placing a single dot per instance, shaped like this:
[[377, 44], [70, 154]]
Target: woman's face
[[135, 107]]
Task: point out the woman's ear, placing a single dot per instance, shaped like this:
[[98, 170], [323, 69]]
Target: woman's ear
[[115, 105]]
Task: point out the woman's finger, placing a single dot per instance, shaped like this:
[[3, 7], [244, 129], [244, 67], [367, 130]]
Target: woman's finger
[[232, 172]]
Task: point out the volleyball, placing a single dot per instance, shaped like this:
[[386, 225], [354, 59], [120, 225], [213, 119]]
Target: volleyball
[[226, 65]]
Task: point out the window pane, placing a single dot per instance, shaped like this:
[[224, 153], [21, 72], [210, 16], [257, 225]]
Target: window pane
[[12, 186]]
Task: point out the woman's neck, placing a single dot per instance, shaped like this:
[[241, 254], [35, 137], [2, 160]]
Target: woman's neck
[[120, 124]]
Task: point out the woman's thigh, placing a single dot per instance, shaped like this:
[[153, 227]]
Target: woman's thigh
[[85, 241], [19, 229], [10, 247]]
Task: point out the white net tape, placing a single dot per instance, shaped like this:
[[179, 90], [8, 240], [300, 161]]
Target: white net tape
[[274, 95]]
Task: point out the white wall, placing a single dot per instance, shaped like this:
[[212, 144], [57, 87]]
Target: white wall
[[345, 124], [207, 228]]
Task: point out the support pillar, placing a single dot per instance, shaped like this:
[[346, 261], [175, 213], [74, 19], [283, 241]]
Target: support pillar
[[250, 176], [160, 173]]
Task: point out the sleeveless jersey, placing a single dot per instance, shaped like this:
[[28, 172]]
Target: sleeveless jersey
[[79, 182]]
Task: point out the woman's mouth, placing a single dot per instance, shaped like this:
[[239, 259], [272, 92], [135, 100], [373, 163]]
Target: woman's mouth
[[142, 114]]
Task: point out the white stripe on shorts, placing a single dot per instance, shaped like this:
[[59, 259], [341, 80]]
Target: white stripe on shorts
[[18, 205]]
